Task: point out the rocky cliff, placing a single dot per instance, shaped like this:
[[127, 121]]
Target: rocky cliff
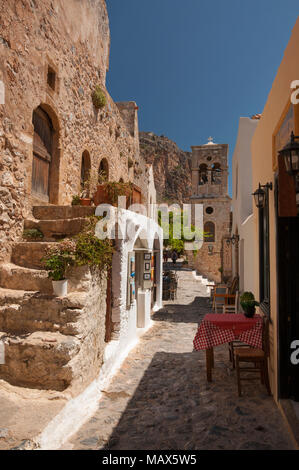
[[171, 165]]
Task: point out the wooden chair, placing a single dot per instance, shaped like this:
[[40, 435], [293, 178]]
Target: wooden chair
[[232, 308], [219, 298], [259, 357]]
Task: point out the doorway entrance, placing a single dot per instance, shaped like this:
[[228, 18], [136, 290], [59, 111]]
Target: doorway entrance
[[45, 162], [288, 298]]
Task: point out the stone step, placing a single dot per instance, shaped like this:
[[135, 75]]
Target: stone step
[[26, 312], [30, 254], [40, 360], [20, 278], [57, 229], [61, 212]]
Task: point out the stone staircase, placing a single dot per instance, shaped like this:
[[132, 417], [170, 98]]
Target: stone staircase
[[43, 333]]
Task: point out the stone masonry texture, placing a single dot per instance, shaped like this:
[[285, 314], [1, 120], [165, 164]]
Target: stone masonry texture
[[72, 40]]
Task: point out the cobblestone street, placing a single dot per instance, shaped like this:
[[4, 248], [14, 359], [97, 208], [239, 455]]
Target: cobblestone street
[[160, 398]]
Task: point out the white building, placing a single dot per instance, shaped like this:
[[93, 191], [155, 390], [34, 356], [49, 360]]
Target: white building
[[243, 224]]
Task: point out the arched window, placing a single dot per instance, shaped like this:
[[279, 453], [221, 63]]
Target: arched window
[[103, 171], [216, 173], [85, 168], [203, 174], [209, 232]]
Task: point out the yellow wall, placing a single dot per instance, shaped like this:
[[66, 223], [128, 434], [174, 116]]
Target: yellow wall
[[264, 172]]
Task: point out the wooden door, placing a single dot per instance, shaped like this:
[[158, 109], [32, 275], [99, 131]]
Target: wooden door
[[288, 294], [42, 153]]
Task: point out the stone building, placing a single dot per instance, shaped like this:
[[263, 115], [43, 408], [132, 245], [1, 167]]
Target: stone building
[[53, 55], [210, 188]]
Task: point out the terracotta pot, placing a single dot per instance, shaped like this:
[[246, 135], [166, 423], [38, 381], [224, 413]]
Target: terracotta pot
[[249, 312], [60, 288], [85, 202]]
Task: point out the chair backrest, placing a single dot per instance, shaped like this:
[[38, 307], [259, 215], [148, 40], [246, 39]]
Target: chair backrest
[[220, 290], [234, 285], [237, 302]]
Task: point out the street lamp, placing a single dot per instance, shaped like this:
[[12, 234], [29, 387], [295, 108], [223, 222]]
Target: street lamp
[[233, 240], [290, 153], [260, 195], [211, 249]]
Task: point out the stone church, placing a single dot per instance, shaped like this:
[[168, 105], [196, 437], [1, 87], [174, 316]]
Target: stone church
[[210, 188]]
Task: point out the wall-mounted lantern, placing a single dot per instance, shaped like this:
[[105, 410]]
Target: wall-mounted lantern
[[234, 240], [290, 153], [211, 249], [261, 195]]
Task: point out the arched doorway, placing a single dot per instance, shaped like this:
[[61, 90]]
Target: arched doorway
[[103, 171], [85, 168], [45, 162]]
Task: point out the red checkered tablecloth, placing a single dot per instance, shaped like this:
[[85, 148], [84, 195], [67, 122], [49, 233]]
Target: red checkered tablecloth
[[216, 329]]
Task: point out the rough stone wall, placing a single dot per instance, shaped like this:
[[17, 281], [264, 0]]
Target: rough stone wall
[[91, 328], [138, 170], [73, 39], [56, 343], [171, 166], [206, 264]]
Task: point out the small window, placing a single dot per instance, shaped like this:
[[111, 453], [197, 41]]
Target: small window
[[209, 232], [209, 210], [51, 78]]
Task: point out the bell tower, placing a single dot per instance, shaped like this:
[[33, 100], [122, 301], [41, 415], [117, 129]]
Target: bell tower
[[210, 188]]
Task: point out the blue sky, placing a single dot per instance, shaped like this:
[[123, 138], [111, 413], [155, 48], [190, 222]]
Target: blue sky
[[195, 66]]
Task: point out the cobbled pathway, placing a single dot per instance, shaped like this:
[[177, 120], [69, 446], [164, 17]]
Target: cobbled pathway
[[160, 399]]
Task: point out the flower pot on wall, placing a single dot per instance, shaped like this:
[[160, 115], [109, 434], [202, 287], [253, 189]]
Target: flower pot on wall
[[60, 288], [249, 310], [85, 201]]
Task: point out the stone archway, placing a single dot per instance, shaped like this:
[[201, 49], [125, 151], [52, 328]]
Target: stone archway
[[46, 155], [85, 168], [103, 170]]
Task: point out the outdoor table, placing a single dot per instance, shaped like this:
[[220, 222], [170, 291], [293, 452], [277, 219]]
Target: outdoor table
[[216, 329]]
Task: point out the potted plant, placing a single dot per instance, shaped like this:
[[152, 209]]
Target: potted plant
[[56, 261], [76, 200], [89, 186], [248, 304]]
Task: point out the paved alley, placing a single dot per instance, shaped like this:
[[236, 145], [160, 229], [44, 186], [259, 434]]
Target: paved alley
[[160, 398]]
